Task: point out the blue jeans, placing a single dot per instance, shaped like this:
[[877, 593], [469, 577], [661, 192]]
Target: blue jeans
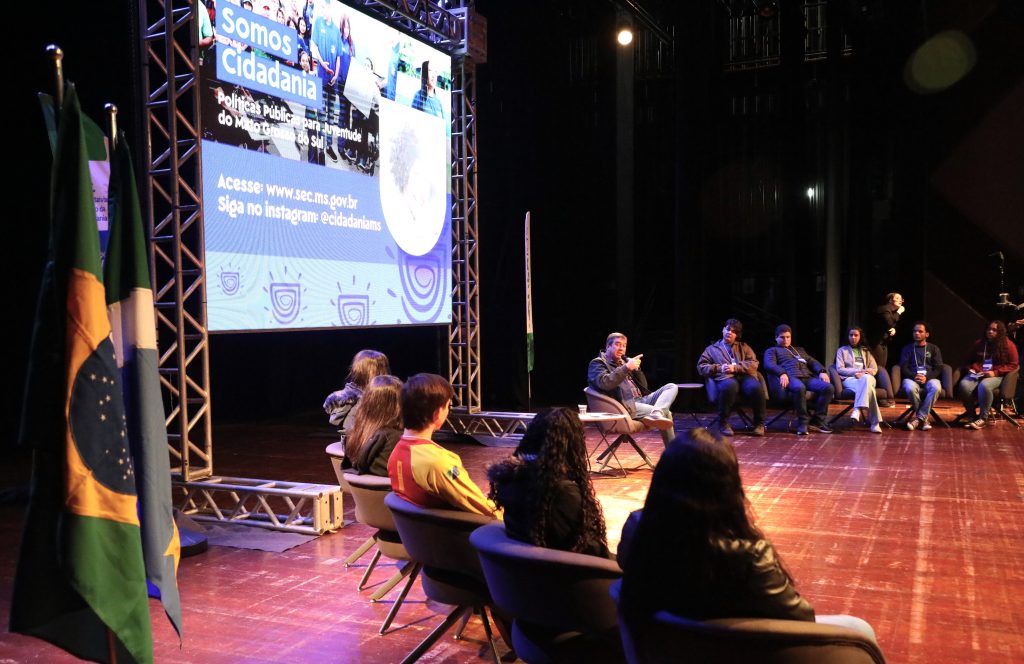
[[797, 390], [661, 400], [913, 391], [984, 387]]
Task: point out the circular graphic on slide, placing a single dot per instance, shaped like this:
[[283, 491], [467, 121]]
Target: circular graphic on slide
[[414, 170]]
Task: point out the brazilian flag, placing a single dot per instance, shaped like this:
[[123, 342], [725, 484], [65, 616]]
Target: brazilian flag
[[133, 326], [80, 575]]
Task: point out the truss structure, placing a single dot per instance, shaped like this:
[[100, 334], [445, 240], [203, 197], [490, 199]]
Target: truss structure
[[173, 190], [489, 423], [311, 509], [464, 333]]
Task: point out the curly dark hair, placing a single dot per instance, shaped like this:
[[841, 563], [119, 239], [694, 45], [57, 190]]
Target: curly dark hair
[[696, 499], [552, 450], [1000, 350]]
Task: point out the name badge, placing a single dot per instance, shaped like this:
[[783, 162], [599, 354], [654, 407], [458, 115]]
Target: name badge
[[922, 371], [986, 365], [801, 359], [859, 363]]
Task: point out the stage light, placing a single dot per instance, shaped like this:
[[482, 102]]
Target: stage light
[[940, 62], [625, 36], [810, 193]]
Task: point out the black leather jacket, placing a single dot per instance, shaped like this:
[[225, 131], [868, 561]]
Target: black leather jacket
[[749, 583]]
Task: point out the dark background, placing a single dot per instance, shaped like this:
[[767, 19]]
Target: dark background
[[710, 221]]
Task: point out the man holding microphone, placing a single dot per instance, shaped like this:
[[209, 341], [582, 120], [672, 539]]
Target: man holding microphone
[[620, 377]]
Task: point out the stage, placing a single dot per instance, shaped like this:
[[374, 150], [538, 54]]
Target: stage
[[921, 534]]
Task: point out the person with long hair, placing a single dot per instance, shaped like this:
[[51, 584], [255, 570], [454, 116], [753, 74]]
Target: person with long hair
[[991, 358], [545, 487], [376, 427], [366, 364], [695, 550], [857, 367]]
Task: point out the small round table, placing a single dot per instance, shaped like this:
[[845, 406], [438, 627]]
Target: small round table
[[692, 386]]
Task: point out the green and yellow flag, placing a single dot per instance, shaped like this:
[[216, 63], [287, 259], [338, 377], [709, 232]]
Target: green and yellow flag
[[133, 326], [80, 569]]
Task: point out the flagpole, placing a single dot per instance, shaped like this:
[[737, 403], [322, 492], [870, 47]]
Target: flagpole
[[58, 72], [111, 110], [111, 650]]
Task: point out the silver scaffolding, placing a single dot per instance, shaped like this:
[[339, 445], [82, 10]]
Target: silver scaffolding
[[173, 190]]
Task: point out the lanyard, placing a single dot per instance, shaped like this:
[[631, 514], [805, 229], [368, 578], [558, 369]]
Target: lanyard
[[924, 359]]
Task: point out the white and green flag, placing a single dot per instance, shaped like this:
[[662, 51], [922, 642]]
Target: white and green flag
[[529, 301]]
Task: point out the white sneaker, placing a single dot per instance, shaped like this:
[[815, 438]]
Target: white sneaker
[[656, 420], [925, 426], [875, 428]]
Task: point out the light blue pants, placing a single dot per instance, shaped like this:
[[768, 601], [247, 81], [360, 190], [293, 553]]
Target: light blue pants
[[984, 387], [913, 390], [866, 397], [660, 399], [849, 622]]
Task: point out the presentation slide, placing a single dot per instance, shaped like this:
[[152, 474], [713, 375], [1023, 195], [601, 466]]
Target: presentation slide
[[326, 169]]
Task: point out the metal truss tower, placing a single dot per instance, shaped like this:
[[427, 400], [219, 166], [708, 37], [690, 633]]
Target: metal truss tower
[[172, 188]]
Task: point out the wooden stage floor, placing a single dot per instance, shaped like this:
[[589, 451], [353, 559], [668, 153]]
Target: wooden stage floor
[[921, 534]]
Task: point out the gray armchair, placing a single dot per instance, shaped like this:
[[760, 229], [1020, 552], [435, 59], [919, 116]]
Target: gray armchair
[[558, 600], [661, 637], [625, 428], [451, 574], [369, 491]]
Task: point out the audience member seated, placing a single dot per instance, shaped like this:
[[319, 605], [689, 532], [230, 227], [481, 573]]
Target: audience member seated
[[376, 427], [991, 358], [545, 487], [695, 551], [339, 404], [732, 366], [921, 367], [857, 368], [620, 377], [792, 373], [423, 472]]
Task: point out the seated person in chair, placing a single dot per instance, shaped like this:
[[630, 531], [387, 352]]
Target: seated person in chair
[[376, 428], [695, 551], [620, 377], [991, 358], [340, 404], [423, 472], [857, 369], [732, 365], [792, 373], [920, 368], [545, 487]]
